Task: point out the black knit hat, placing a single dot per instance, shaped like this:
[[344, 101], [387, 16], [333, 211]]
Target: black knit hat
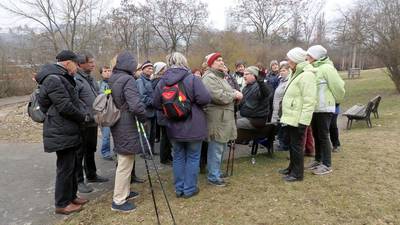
[[65, 55], [146, 64]]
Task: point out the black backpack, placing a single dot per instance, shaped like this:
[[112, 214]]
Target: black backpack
[[34, 111], [175, 103]]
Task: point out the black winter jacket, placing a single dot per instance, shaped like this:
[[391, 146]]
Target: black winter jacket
[[59, 100], [255, 102], [127, 98]]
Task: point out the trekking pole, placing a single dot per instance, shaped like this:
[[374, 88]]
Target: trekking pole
[[229, 158], [157, 173], [148, 173], [233, 155]]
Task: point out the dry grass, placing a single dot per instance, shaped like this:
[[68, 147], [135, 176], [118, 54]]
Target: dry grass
[[16, 126], [363, 189]]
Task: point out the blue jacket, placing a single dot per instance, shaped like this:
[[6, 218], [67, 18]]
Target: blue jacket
[[103, 85], [146, 94], [194, 128]]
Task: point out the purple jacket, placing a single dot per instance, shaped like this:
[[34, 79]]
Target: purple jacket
[[193, 128]]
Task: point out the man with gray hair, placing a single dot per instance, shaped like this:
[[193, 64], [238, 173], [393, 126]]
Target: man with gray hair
[[88, 90]]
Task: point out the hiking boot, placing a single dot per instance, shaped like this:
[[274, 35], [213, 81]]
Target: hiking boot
[[192, 194], [290, 178], [313, 165], [125, 208], [84, 188], [80, 201], [68, 209], [97, 179], [218, 183], [322, 170], [132, 195], [137, 180], [284, 171]]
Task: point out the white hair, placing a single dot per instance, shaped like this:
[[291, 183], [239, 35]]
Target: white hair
[[177, 59]]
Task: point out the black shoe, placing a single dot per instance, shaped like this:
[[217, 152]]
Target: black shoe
[[84, 188], [290, 178], [179, 194], [146, 156], [284, 171], [132, 195], [168, 163], [137, 180], [218, 183], [192, 194], [97, 179]]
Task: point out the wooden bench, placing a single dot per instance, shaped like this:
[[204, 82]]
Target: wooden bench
[[354, 72], [362, 112], [268, 131]]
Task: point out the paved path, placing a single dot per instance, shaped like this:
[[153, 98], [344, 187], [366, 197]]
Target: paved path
[[13, 100], [27, 177]]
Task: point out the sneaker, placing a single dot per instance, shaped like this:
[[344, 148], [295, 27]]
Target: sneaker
[[313, 165], [322, 170], [132, 195], [125, 208], [108, 158], [84, 188], [218, 183], [192, 194]]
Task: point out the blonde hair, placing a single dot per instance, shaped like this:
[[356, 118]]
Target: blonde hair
[[176, 59]]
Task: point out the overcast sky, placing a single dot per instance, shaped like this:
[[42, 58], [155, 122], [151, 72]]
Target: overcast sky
[[216, 8]]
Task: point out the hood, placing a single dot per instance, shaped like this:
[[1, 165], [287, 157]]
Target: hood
[[49, 69], [174, 75], [304, 66], [322, 61], [126, 62]]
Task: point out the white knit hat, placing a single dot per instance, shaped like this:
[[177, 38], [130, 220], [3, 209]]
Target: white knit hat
[[317, 52], [297, 55], [158, 66]]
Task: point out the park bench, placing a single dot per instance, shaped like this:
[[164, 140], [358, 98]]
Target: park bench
[[354, 72], [245, 136], [363, 112]]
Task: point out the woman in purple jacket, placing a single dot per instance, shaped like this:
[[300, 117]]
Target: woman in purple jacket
[[186, 135]]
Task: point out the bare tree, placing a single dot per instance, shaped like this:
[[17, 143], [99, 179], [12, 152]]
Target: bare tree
[[265, 16], [60, 19], [382, 34]]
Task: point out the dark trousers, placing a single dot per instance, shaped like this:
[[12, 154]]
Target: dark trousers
[[150, 127], [165, 146], [334, 131], [296, 136], [86, 153], [203, 156], [66, 183], [320, 126]]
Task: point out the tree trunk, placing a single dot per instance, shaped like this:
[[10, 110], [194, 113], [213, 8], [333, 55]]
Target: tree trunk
[[353, 62]]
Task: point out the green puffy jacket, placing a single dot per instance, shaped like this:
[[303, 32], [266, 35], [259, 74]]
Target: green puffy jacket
[[220, 112], [300, 96], [330, 86]]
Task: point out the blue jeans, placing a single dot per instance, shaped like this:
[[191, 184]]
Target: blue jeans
[[186, 166], [105, 144], [214, 159]]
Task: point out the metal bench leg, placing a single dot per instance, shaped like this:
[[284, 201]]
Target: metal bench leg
[[349, 123]]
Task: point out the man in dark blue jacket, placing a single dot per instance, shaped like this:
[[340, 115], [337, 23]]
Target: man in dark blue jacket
[[59, 101], [146, 96]]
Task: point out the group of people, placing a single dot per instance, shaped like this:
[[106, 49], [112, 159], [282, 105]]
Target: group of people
[[298, 95]]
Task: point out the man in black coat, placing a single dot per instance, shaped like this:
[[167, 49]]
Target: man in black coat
[[88, 90], [59, 101], [254, 107]]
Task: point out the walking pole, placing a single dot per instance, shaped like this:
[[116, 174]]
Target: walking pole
[[148, 173], [229, 158], [158, 175], [233, 155]]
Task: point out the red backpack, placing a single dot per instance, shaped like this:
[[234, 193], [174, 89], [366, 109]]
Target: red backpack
[[175, 103]]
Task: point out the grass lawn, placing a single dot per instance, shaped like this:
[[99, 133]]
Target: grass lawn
[[364, 187]]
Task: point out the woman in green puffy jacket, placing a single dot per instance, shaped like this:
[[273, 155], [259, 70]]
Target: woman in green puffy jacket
[[330, 91], [297, 108]]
